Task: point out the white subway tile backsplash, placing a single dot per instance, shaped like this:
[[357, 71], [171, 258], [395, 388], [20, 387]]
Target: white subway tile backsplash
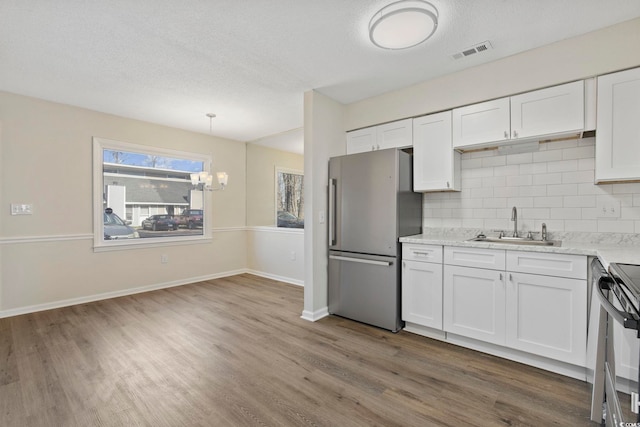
[[533, 168], [547, 156], [565, 213], [562, 190], [548, 202], [579, 152], [529, 190], [587, 164], [588, 201], [563, 166], [547, 178], [518, 180], [488, 162], [584, 176], [516, 159], [554, 185]]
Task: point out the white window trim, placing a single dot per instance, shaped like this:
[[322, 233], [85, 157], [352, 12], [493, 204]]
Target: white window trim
[[99, 244]]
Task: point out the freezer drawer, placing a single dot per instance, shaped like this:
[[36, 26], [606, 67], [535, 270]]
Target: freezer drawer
[[365, 288]]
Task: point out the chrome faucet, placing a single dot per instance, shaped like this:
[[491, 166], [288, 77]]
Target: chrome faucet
[[514, 218]]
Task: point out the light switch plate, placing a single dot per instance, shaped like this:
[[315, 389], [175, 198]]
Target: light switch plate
[[21, 209]]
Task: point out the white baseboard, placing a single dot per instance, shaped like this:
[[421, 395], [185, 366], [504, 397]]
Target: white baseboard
[[115, 294], [314, 316], [276, 277]]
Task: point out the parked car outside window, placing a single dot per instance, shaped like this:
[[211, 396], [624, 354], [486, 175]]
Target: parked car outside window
[[190, 218], [160, 222], [115, 228]]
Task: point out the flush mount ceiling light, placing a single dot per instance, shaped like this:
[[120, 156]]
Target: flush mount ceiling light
[[403, 24]]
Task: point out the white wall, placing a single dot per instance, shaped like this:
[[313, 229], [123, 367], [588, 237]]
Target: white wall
[[276, 253], [323, 138], [554, 185]]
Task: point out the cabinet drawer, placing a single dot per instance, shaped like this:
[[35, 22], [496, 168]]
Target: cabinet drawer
[[548, 264], [493, 259], [427, 253]]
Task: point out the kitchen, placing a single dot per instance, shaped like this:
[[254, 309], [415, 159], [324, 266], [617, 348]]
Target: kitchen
[[552, 183]]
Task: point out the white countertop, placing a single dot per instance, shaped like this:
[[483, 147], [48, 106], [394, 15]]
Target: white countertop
[[608, 247]]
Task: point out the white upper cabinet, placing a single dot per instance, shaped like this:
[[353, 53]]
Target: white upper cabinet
[[361, 140], [436, 165], [547, 113], [394, 134], [389, 135], [550, 111], [481, 123], [618, 124]]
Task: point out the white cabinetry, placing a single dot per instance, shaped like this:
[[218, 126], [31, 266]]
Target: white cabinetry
[[422, 285], [474, 298], [436, 165], [618, 136], [388, 135], [548, 113], [529, 301]]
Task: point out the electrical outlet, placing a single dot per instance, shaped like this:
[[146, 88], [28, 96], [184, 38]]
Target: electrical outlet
[[21, 209], [608, 209], [292, 255], [164, 258]]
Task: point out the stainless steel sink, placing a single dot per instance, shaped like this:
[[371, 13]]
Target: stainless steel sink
[[516, 241]]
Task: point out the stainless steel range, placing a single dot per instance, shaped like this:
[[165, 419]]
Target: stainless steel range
[[618, 291]]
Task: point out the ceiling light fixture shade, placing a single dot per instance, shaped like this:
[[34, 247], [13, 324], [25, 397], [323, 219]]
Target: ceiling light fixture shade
[[403, 24]]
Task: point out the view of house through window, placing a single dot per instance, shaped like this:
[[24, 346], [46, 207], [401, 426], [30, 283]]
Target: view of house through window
[[289, 198], [149, 194]]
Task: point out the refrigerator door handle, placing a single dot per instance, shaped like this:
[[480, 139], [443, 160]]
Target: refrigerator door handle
[[332, 212], [360, 260]]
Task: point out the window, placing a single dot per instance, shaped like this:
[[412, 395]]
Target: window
[[289, 198], [144, 195]]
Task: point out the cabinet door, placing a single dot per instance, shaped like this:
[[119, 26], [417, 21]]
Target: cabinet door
[[549, 111], [474, 301], [618, 135], [547, 316], [394, 134], [361, 140], [436, 165], [480, 124], [422, 293]]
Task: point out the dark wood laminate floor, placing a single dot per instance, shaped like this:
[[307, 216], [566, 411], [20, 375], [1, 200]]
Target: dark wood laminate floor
[[234, 352]]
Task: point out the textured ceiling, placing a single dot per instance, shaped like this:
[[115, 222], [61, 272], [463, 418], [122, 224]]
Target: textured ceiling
[[250, 61]]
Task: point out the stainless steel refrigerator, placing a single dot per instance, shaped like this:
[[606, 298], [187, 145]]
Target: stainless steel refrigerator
[[371, 205]]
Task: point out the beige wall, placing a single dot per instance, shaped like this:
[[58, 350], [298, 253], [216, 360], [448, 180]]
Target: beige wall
[[261, 164], [46, 160]]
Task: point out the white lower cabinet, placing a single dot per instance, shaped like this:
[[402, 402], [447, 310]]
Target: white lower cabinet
[[422, 293], [547, 316], [422, 285], [505, 303], [474, 300]]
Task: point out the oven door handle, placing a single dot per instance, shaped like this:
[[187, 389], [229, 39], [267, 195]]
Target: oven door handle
[[620, 316]]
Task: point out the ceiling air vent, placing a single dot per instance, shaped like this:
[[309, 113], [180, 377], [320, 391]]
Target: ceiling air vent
[[479, 48]]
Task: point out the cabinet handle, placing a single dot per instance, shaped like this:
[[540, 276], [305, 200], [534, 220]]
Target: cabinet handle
[[378, 147], [515, 134], [420, 253], [447, 184], [510, 277], [501, 277], [404, 264], [373, 147], [506, 135]]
